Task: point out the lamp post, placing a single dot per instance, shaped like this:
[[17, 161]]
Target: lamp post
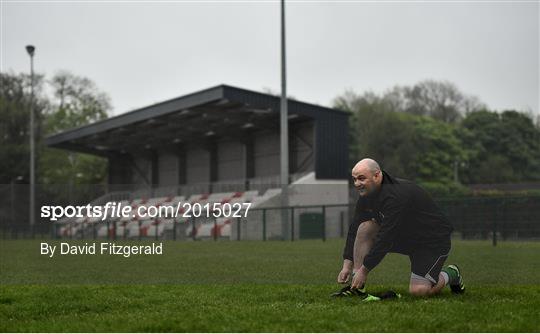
[[284, 126], [30, 49]]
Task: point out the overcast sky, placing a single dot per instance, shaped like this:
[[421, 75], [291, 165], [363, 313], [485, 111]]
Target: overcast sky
[[141, 53]]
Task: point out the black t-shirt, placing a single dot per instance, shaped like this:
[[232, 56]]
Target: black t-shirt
[[409, 220]]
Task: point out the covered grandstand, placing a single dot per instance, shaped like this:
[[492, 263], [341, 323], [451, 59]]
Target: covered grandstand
[[216, 145], [218, 134]]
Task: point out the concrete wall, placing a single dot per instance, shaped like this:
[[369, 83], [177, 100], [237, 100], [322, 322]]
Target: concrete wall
[[267, 160], [307, 191], [197, 166], [120, 171], [231, 161], [142, 175], [302, 145], [167, 169]]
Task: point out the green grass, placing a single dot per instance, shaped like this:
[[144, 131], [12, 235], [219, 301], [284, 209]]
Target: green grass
[[258, 286]]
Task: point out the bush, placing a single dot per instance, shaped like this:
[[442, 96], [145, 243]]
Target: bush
[[449, 189]]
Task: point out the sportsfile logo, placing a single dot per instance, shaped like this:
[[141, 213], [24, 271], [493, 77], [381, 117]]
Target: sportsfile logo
[[114, 210]]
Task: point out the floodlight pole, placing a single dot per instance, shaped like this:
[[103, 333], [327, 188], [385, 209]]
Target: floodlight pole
[[284, 131], [30, 49]]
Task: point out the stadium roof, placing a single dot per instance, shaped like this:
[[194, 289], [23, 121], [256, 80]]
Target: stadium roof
[[218, 112]]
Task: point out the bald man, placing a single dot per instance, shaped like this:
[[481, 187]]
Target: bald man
[[396, 216]]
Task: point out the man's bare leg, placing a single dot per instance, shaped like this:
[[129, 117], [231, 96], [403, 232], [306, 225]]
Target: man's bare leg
[[423, 287]]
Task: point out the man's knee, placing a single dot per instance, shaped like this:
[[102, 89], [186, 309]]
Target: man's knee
[[367, 230], [420, 290]]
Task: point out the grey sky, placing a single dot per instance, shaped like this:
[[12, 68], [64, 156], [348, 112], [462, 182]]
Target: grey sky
[[141, 52]]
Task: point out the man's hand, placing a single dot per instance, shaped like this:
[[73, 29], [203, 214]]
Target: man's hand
[[345, 273], [359, 278]]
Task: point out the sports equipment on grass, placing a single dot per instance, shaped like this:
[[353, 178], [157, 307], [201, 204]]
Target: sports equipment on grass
[[460, 286], [349, 292], [390, 294]]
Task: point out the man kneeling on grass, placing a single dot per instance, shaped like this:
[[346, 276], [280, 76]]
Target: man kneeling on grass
[[396, 216]]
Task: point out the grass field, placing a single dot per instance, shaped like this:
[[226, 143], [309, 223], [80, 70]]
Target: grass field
[[258, 286]]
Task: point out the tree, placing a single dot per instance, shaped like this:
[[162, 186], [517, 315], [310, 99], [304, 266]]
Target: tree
[[417, 147], [364, 110], [441, 100], [388, 138], [14, 129], [76, 101], [438, 150], [508, 147]]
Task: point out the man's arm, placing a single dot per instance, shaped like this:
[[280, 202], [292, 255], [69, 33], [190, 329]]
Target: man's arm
[[365, 237], [359, 241], [348, 251], [392, 211], [364, 241], [346, 270]]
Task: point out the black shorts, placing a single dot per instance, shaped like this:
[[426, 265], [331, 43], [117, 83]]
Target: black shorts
[[426, 263]]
